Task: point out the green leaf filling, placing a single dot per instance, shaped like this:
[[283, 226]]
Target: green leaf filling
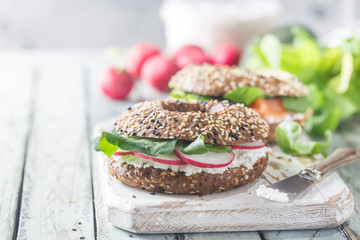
[[187, 96], [287, 134], [109, 143], [246, 95], [330, 72], [196, 147], [200, 147], [296, 104]]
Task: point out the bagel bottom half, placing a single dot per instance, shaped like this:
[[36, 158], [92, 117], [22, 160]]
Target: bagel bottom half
[[168, 181]]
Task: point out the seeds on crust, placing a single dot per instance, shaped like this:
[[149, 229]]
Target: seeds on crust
[[220, 123], [204, 79], [167, 181]]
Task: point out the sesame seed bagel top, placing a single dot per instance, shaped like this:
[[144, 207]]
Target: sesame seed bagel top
[[215, 81], [220, 123]]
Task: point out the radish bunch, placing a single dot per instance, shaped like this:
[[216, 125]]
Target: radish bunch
[[145, 61]]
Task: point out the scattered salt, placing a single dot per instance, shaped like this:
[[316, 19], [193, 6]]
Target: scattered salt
[[271, 194]]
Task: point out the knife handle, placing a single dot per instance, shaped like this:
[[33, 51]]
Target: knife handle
[[340, 157]]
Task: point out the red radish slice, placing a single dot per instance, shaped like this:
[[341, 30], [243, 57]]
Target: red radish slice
[[206, 160], [124, 153], [170, 159], [250, 145]]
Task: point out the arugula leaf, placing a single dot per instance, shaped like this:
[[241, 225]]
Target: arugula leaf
[[245, 95], [175, 93], [287, 134], [200, 147], [109, 143], [296, 104]]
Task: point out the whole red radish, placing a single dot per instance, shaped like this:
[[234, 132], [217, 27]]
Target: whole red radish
[[226, 54], [157, 71], [189, 54], [137, 56], [116, 83]]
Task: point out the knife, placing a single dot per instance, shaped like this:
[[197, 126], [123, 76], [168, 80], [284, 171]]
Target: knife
[[297, 184]]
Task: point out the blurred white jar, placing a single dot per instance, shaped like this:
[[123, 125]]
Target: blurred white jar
[[207, 23]]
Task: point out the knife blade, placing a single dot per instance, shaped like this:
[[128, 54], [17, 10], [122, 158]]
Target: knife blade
[[298, 184]]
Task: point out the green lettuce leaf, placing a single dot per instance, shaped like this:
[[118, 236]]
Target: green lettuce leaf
[[327, 120], [331, 73], [109, 143], [246, 95], [196, 147], [296, 104], [287, 135], [130, 158], [200, 147], [216, 148], [180, 94]]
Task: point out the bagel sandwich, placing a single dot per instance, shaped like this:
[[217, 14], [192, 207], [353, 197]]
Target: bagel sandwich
[[179, 147], [276, 95]]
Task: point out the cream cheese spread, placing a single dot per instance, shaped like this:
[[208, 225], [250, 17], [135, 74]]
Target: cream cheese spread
[[246, 158]]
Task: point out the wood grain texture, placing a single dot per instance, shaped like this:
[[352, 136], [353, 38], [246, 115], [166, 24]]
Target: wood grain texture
[[217, 236], [349, 133], [57, 198], [96, 112], [350, 229], [15, 124]]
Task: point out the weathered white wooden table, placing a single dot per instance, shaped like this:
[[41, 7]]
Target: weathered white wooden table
[[49, 188]]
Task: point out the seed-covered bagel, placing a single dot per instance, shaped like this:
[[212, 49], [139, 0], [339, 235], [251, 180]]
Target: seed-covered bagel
[[215, 81], [220, 123], [168, 181]]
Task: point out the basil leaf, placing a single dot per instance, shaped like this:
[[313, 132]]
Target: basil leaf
[[287, 134], [296, 104], [188, 96], [216, 148], [109, 143], [196, 147], [199, 147], [245, 95]]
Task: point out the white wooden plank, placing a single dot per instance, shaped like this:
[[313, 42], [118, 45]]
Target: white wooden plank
[[320, 234], [350, 135], [101, 107], [57, 196], [16, 82], [219, 236]]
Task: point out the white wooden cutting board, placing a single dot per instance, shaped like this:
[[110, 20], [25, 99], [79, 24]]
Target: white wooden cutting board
[[327, 204]]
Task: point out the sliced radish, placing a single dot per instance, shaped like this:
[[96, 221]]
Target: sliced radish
[[124, 153], [170, 159], [206, 160], [250, 145]]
